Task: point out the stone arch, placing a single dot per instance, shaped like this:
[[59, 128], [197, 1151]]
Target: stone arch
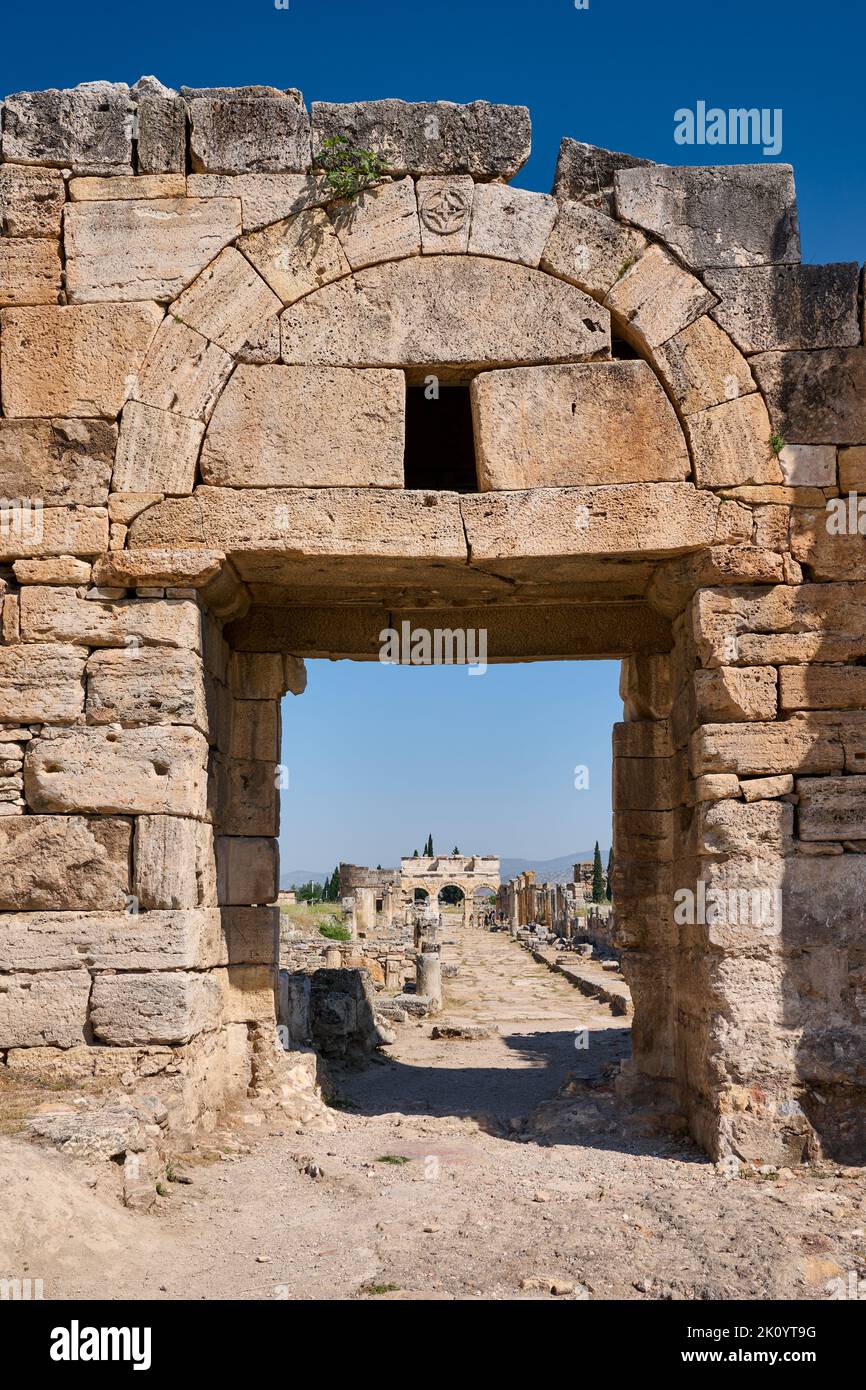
[[738, 616]]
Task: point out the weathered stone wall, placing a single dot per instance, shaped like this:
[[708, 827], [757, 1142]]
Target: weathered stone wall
[[203, 360]]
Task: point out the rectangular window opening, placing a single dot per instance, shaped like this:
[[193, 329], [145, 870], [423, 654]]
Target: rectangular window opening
[[440, 440]]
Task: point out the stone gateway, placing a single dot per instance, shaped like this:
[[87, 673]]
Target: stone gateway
[[208, 373]]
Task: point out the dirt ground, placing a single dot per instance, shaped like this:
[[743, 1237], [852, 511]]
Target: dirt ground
[[455, 1169]]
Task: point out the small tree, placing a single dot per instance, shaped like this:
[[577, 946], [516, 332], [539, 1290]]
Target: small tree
[[309, 891], [597, 876], [608, 885], [455, 850], [415, 854]]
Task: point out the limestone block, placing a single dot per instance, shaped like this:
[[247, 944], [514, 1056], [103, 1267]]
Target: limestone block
[[590, 249], [247, 869], [41, 682], [256, 675], [58, 569], [444, 309], [731, 444], [74, 359], [29, 271], [255, 729], [598, 422], [58, 461], [656, 518], [228, 302], [121, 188], [146, 685], [294, 675], [280, 426], [822, 687], [832, 808], [788, 306], [829, 556], [252, 935], [297, 255], [157, 451], [31, 201], [734, 526], [445, 213], [59, 615], [766, 788], [585, 172], [702, 367], [852, 469], [161, 133], [249, 994], [646, 784], [656, 298], [645, 687], [511, 223], [808, 465], [310, 521], [160, 1007], [729, 693], [265, 198], [232, 133], [27, 530], [49, 941], [187, 569], [63, 861], [87, 129], [780, 625], [643, 738], [481, 139], [381, 224], [728, 215], [643, 836], [164, 862], [762, 829], [815, 397], [118, 771], [46, 1009], [764, 749], [716, 786], [148, 248], [184, 372], [246, 797], [205, 865]]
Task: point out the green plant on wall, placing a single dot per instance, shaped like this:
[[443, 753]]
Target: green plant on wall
[[348, 170]]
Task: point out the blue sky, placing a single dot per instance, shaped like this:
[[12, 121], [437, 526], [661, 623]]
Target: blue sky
[[491, 759]]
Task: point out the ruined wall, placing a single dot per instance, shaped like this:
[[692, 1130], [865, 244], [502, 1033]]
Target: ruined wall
[[203, 368]]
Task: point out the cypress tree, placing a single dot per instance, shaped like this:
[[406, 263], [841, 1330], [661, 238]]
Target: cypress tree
[[597, 876], [608, 888]]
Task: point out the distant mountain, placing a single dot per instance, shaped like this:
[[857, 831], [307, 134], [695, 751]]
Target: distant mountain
[[548, 870], [295, 878]]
